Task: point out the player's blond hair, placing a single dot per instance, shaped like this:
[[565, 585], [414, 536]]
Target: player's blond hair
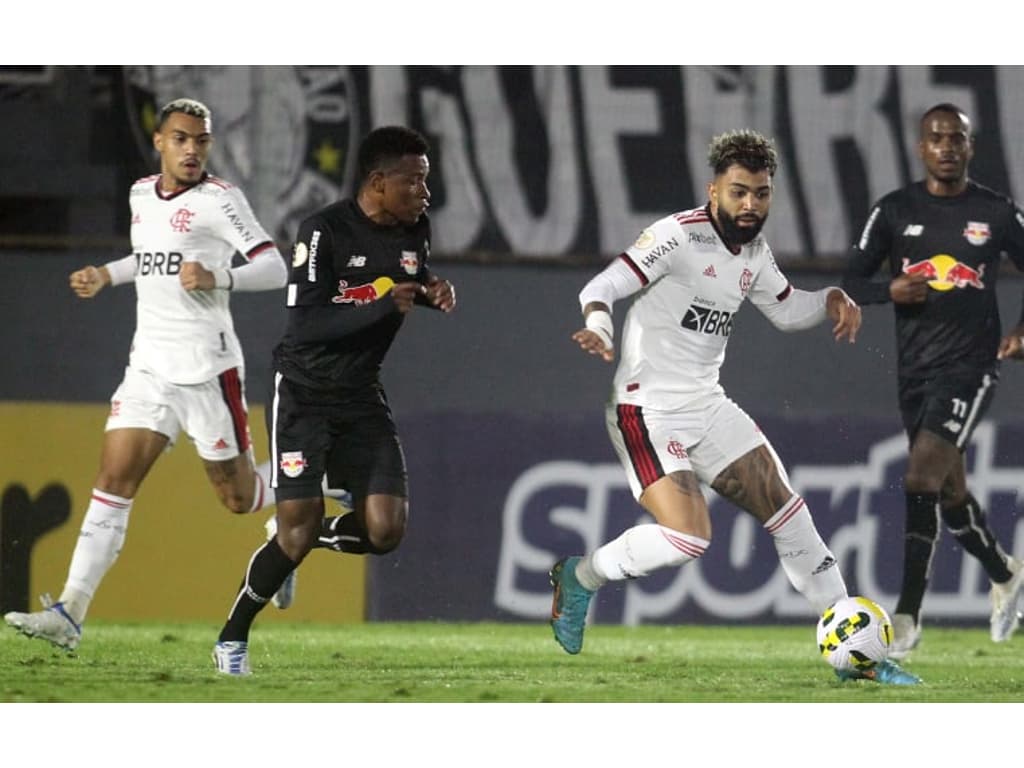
[[743, 147], [185, 106]]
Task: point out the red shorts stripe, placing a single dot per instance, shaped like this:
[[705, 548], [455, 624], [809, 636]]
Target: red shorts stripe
[[638, 444], [231, 389]]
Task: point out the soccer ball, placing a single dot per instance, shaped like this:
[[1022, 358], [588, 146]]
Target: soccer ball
[[854, 633]]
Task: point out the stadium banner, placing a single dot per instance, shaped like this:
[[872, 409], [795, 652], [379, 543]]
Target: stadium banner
[[184, 554], [570, 163], [495, 500]]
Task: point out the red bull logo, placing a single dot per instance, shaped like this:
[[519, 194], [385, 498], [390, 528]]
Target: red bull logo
[[362, 294], [977, 232], [410, 262], [945, 273], [293, 463]]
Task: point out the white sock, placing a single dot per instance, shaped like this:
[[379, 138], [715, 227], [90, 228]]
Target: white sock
[[262, 495], [638, 551], [810, 566], [99, 544], [265, 496]]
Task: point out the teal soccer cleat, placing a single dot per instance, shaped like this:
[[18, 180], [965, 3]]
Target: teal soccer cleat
[[885, 672], [569, 605]]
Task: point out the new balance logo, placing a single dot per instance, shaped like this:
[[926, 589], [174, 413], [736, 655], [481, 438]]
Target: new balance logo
[[913, 230], [710, 271], [356, 261]]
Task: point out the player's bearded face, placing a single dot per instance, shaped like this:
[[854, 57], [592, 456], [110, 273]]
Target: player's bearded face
[[740, 200], [743, 230]]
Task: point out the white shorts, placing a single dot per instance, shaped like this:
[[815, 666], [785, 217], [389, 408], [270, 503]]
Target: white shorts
[[213, 414], [704, 439]]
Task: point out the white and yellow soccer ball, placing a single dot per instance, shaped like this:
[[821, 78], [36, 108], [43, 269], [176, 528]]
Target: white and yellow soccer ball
[[854, 633]]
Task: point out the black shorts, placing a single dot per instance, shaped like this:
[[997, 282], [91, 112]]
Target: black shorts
[[349, 436], [951, 405]]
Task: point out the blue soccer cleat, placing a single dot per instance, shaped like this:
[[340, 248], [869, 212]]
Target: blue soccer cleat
[[569, 605], [52, 624], [232, 657], [886, 672]]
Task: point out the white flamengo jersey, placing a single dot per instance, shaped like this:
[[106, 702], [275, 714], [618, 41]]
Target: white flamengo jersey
[[187, 337], [675, 333]]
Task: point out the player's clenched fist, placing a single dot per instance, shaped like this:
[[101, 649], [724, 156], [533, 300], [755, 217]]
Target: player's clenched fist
[[89, 281], [195, 277], [441, 293], [405, 294]]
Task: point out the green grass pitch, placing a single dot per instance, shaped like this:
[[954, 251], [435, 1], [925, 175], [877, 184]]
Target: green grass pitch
[[478, 678], [490, 662]]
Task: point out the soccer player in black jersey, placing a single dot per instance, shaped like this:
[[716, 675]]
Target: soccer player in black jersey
[[358, 268], [942, 240]]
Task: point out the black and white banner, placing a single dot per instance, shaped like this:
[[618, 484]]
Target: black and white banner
[[568, 163]]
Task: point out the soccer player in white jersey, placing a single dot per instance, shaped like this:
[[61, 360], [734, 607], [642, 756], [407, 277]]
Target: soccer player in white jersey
[[670, 421], [185, 371]]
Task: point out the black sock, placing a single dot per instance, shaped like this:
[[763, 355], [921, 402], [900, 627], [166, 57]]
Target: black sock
[[970, 526], [343, 534], [267, 571], [919, 536]]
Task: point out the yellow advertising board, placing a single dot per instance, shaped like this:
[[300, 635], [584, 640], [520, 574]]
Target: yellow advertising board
[[184, 555]]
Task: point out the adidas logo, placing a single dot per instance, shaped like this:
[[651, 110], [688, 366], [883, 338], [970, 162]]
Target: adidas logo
[[827, 563], [220, 445], [710, 271]]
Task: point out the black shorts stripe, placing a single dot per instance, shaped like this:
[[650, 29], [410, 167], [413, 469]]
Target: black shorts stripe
[[231, 390], [641, 452]]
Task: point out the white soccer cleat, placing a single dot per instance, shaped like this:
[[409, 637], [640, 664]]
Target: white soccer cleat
[[232, 657], [52, 624], [906, 634], [285, 594], [1007, 603]]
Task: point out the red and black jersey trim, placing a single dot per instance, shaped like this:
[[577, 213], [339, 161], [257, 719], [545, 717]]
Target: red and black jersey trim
[[231, 390], [636, 270], [171, 195], [785, 292], [694, 216], [641, 451], [254, 252]]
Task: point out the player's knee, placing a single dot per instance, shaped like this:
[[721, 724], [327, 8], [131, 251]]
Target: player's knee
[[237, 501], [921, 481], [385, 538], [118, 486]]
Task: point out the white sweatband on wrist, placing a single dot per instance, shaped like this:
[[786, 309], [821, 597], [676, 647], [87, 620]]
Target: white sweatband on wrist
[[122, 270], [222, 278], [600, 322]]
